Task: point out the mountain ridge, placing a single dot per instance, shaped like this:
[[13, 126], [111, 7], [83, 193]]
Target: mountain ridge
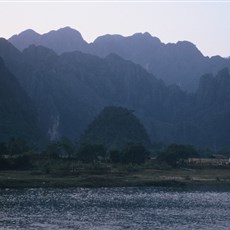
[[180, 63]]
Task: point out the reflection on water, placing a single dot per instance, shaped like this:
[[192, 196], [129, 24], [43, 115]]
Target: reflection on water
[[114, 208]]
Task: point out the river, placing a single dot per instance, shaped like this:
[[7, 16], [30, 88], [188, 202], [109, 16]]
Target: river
[[115, 208]]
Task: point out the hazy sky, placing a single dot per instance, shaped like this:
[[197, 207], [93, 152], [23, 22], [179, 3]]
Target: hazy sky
[[206, 23]]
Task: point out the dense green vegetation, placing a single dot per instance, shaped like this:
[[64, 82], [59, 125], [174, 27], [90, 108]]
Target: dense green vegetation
[[17, 154], [173, 153], [115, 138], [115, 127], [67, 164]]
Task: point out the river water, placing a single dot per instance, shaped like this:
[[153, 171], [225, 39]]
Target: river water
[[115, 208]]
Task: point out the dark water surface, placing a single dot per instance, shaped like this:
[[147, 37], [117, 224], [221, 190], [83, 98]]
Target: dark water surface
[[115, 208]]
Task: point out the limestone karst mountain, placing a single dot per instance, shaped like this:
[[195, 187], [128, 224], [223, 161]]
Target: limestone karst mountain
[[62, 40], [17, 114], [181, 63], [69, 90]]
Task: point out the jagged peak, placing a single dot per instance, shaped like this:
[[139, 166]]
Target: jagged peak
[[5, 46], [117, 37], [108, 37], [182, 44], [3, 40], [185, 43], [144, 35], [113, 56], [29, 31], [39, 49], [65, 30], [186, 46], [26, 33]]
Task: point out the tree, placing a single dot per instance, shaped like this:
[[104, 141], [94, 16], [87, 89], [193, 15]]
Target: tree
[[135, 154], [115, 156], [175, 152], [22, 163], [62, 148], [53, 150], [17, 146], [66, 147], [5, 164], [114, 127], [3, 148], [89, 153]]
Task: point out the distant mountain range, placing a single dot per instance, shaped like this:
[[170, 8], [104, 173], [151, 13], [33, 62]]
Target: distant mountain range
[[181, 63], [65, 92]]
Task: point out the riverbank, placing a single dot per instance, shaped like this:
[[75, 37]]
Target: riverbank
[[116, 178]]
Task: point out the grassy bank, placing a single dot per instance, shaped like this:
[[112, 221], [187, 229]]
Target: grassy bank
[[115, 177]]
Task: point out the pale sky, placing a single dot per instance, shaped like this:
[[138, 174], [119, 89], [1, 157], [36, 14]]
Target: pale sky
[[206, 23]]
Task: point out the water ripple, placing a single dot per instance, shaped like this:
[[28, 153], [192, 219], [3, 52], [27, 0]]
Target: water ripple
[[114, 208]]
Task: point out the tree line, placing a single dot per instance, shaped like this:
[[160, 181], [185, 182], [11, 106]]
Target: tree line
[[18, 154]]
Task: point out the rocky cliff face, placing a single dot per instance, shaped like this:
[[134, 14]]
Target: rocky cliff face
[[214, 92], [69, 90], [17, 114]]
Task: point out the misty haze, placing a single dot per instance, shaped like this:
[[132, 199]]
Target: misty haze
[[121, 132]]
